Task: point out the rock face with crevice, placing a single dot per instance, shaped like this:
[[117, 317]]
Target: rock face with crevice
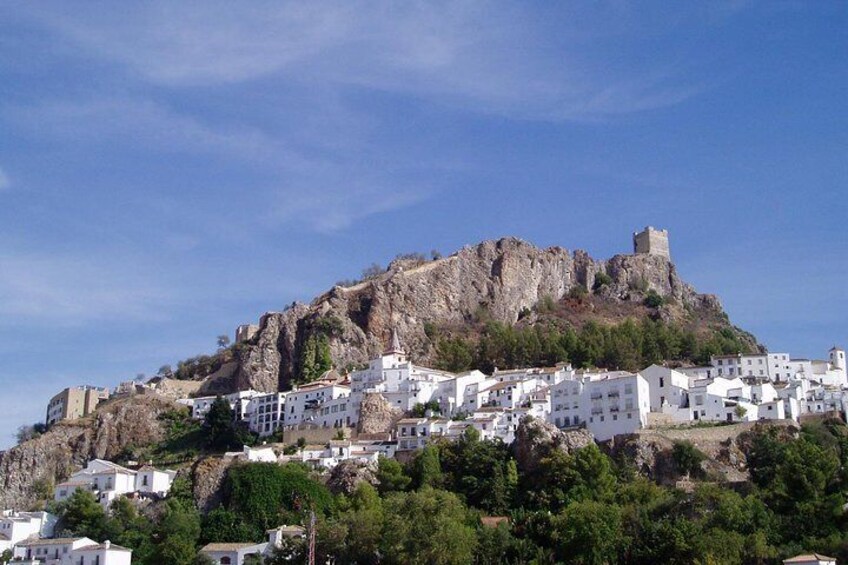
[[503, 278]]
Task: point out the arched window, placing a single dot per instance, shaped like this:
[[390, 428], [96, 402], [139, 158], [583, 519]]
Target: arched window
[[225, 561]]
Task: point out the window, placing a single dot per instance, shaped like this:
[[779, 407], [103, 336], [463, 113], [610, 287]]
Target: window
[[225, 561], [662, 382]]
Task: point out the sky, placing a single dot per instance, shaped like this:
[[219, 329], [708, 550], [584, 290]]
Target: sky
[[171, 170]]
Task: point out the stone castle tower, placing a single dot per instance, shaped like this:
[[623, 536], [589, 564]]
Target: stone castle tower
[[651, 241]]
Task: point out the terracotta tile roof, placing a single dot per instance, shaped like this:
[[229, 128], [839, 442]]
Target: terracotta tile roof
[[494, 521]]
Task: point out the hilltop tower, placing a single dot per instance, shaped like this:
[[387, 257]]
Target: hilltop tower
[[837, 358], [651, 241]]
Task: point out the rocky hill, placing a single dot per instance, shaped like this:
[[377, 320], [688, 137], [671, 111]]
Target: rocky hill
[[29, 471], [505, 279]]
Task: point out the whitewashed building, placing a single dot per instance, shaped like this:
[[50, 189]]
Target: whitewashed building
[[19, 526], [266, 413], [619, 403], [305, 404], [232, 553], [239, 404], [107, 481]]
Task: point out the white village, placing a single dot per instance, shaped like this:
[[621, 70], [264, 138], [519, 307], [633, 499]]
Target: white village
[[435, 405]]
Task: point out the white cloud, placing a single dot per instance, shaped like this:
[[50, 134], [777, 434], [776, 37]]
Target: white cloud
[[490, 58]]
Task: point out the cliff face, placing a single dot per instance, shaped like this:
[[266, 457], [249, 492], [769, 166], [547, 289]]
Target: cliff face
[[501, 277], [66, 447]]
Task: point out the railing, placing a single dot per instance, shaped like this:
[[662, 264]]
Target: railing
[[597, 410], [613, 394], [613, 409], [596, 395]]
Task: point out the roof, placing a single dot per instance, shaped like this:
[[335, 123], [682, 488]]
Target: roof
[[809, 557], [101, 546], [293, 529], [53, 541], [494, 521], [227, 546]]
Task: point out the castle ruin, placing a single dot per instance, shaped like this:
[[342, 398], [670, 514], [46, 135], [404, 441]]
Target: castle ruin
[[651, 241]]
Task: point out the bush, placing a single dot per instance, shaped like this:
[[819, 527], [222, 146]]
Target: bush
[[653, 300], [601, 280], [687, 458], [578, 292], [265, 495]]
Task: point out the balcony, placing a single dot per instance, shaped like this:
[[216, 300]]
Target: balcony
[[597, 410], [613, 394], [613, 409], [596, 395]]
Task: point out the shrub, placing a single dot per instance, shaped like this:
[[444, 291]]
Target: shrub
[[687, 458], [653, 299], [601, 280]]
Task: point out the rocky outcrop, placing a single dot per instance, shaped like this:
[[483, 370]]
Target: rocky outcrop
[[348, 474], [207, 478], [536, 439], [503, 277], [376, 416], [648, 455], [116, 426]]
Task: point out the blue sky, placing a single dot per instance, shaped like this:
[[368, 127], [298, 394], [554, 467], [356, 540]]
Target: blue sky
[[170, 170]]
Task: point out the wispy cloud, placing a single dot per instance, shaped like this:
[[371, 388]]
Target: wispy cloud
[[66, 290], [484, 57]]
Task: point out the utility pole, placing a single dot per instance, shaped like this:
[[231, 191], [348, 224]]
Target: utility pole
[[312, 536]]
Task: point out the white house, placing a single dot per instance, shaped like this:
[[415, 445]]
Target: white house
[[239, 404], [302, 403], [266, 413], [235, 553], [618, 403], [107, 481], [72, 551], [18, 526], [668, 387], [55, 551], [232, 553], [403, 384], [105, 553], [415, 433], [263, 454], [810, 559]]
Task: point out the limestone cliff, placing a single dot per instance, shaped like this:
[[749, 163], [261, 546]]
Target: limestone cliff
[[503, 278], [66, 447]]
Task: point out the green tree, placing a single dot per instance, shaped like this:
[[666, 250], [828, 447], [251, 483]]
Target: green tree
[[223, 341], [179, 532], [687, 458], [220, 425], [589, 533], [81, 515], [426, 469], [390, 476], [363, 523], [222, 525], [426, 526]]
